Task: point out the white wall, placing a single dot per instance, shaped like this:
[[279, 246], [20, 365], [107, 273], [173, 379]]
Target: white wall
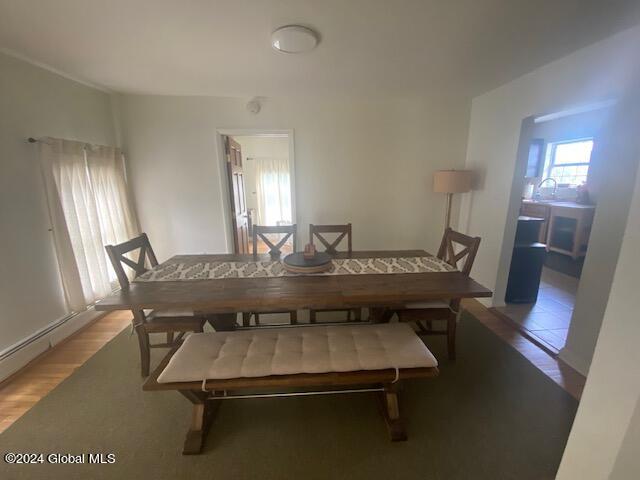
[[599, 72], [35, 102], [627, 463], [605, 438], [366, 161]]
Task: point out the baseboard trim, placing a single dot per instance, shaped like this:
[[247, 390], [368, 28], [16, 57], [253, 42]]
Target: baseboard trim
[[31, 348]]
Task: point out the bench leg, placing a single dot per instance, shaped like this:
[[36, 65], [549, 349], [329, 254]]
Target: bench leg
[[391, 413], [202, 416]]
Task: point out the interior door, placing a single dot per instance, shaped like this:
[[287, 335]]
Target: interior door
[[238, 202]]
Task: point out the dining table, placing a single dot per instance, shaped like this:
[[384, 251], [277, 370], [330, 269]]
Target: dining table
[[230, 293], [221, 286]]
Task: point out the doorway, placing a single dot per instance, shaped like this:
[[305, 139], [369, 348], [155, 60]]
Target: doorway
[[561, 180], [259, 174]]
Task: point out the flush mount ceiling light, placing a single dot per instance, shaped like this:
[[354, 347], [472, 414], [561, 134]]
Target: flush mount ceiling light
[[294, 39]]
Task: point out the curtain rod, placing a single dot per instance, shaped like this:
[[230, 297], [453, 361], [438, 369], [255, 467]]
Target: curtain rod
[[85, 144], [37, 140]]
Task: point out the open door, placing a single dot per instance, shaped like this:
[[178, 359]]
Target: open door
[[238, 203]]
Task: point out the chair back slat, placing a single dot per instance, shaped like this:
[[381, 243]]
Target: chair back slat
[[467, 254], [261, 232], [118, 256], [316, 231]]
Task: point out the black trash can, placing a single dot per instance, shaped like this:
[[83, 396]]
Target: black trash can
[[526, 262], [525, 272]]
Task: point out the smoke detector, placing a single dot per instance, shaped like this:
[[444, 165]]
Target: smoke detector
[[254, 106]]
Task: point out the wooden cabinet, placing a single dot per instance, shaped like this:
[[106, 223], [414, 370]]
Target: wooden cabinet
[[569, 229], [566, 226]]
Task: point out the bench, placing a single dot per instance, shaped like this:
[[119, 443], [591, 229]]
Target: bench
[[210, 367]]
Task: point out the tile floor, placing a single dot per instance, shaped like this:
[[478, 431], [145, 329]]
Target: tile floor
[[548, 319]]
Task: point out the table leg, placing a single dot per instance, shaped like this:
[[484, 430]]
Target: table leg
[[222, 322], [143, 341], [380, 315], [202, 415]]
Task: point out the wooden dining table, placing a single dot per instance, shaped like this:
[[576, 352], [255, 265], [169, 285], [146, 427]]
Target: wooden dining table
[[172, 285], [381, 293]]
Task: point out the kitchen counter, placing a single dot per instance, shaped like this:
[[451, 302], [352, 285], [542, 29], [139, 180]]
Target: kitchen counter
[[558, 203]]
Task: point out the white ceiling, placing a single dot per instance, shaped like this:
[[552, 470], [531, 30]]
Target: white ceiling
[[215, 47]]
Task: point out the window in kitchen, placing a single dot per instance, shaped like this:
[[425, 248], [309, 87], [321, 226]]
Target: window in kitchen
[[569, 161]]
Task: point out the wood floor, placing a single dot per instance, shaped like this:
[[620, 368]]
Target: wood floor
[[25, 388]]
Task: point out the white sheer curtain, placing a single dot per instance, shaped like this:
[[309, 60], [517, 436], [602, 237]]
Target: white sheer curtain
[[90, 207], [273, 188]]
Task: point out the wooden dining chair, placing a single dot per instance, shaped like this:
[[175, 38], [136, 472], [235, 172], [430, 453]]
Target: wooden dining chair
[[170, 322], [261, 232], [316, 231], [331, 247], [459, 251]]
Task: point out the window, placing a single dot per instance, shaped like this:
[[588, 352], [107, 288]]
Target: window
[[90, 207], [569, 161]]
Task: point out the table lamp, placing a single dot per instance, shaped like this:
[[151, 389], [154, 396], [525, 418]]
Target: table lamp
[[450, 182]]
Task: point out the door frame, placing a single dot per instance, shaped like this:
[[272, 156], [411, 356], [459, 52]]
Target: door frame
[[517, 186], [222, 172]]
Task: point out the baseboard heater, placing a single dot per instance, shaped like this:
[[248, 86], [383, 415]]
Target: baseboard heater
[[25, 342]]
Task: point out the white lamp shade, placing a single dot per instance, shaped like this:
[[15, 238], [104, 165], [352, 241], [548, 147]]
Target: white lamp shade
[[452, 181]]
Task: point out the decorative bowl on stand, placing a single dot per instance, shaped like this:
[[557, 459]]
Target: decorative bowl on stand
[[297, 263]]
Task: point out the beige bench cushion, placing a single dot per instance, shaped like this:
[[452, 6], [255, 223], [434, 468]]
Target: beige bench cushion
[[287, 351]]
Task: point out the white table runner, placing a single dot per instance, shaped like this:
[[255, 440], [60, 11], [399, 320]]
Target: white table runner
[[189, 270]]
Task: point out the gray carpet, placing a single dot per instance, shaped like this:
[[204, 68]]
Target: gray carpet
[[490, 415]]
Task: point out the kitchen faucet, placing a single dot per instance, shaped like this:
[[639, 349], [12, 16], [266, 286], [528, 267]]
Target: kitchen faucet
[[555, 186]]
